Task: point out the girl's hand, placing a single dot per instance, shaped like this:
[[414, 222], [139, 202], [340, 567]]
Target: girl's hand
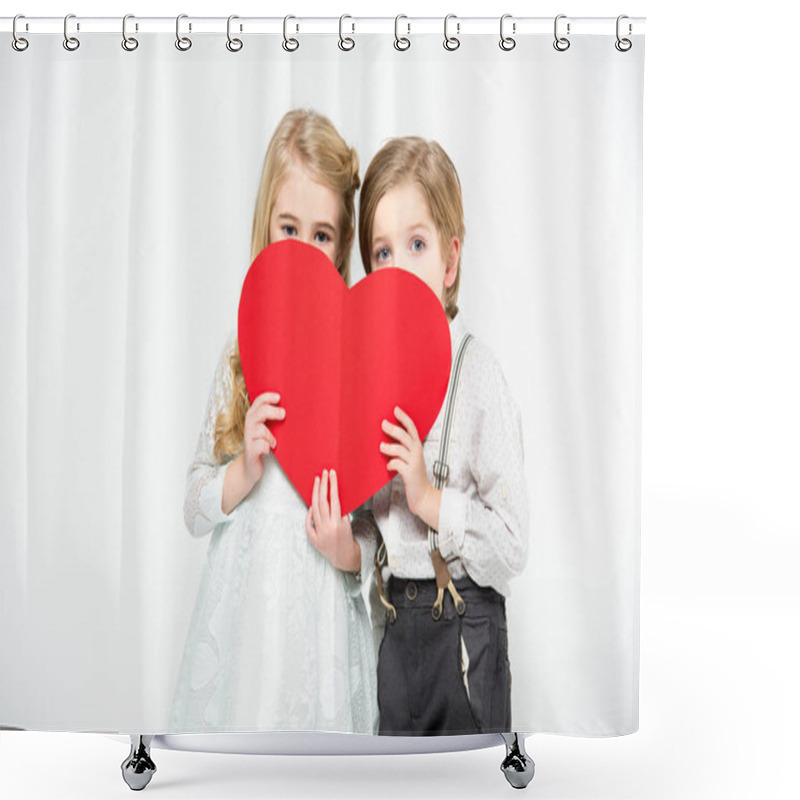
[[409, 462], [328, 530], [258, 438]]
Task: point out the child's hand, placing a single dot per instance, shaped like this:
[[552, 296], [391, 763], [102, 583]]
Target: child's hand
[[258, 438], [328, 530], [409, 462]]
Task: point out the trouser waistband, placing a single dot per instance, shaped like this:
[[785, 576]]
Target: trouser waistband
[[413, 593]]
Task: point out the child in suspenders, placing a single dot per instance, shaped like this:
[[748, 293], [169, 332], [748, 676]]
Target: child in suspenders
[[452, 525]]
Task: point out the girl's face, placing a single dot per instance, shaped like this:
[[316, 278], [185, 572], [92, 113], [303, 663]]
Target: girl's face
[[307, 211], [404, 235]]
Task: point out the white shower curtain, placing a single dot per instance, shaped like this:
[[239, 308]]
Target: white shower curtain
[[128, 186]]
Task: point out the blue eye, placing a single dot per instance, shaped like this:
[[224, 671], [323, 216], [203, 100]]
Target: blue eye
[[382, 254], [416, 248]]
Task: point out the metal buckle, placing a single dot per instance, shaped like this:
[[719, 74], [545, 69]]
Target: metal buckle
[[458, 601], [436, 608]]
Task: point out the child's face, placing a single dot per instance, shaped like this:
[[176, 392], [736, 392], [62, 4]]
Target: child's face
[[404, 235], [307, 211]]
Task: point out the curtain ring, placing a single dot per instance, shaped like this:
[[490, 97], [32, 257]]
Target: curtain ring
[[401, 43], [18, 43], [561, 43], [129, 43], [507, 42], [234, 45], [70, 42], [289, 45], [182, 42], [345, 42], [451, 42], [623, 45]]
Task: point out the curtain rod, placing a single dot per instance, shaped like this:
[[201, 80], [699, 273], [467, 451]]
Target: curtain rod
[[329, 25]]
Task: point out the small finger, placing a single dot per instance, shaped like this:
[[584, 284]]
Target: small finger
[[408, 423], [261, 434], [315, 503], [396, 465], [270, 412], [396, 432], [398, 450], [335, 505], [274, 412], [324, 507]]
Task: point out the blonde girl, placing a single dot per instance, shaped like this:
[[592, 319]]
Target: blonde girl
[[443, 670], [280, 637]]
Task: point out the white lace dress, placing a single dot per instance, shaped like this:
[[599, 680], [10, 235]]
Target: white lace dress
[[279, 639]]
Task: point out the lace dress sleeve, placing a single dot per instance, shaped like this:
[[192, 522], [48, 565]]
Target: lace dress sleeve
[[365, 531], [202, 507]]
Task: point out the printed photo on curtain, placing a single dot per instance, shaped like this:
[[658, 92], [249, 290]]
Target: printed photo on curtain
[[321, 373]]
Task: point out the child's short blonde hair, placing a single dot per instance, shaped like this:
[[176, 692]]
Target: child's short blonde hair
[[411, 158]]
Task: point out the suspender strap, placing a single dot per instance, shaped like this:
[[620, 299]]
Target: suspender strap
[[441, 472], [441, 469]]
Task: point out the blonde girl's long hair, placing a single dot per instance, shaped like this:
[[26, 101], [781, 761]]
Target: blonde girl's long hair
[[306, 136]]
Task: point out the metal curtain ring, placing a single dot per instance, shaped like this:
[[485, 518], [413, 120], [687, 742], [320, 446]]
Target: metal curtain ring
[[623, 45], [129, 43], [234, 45], [561, 43], [290, 45], [507, 42], [182, 42], [401, 43], [18, 42], [451, 42], [345, 42], [70, 42]]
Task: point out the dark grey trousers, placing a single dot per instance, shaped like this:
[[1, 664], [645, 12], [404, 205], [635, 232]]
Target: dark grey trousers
[[421, 688]]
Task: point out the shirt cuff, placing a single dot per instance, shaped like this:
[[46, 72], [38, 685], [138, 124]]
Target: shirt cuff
[[452, 522], [210, 501]]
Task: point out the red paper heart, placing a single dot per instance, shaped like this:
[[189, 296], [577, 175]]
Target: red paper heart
[[341, 359]]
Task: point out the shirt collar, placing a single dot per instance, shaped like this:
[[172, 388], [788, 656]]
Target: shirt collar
[[457, 330]]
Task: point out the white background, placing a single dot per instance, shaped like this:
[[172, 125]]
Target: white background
[[721, 437]]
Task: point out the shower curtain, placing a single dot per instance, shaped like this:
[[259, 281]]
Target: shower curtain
[[129, 188]]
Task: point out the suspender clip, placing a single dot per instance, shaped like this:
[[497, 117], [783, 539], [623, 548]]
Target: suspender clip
[[440, 470]]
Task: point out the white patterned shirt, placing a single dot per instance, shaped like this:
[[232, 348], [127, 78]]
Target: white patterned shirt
[[483, 518]]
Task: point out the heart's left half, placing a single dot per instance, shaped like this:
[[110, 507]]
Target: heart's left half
[[341, 359]]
